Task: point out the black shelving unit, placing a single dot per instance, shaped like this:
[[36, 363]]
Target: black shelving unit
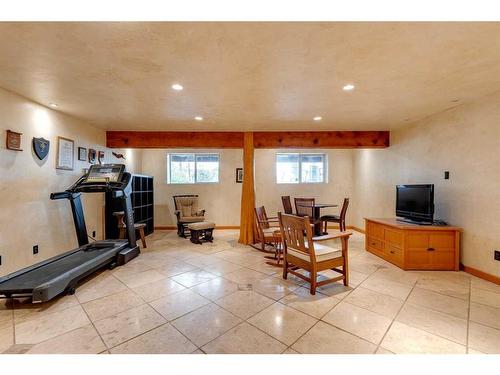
[[142, 204]]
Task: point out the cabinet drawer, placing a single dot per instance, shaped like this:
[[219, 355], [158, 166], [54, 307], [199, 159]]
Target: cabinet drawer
[[375, 243], [394, 237], [442, 240], [434, 260], [375, 230], [393, 254]]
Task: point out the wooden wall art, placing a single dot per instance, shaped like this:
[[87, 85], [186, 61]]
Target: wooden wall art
[[13, 140]]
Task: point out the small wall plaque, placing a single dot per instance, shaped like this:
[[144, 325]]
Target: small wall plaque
[[14, 140], [92, 155], [239, 175], [82, 153]]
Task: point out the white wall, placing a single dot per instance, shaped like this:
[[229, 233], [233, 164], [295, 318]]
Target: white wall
[[27, 215], [222, 201], [464, 141], [339, 185]]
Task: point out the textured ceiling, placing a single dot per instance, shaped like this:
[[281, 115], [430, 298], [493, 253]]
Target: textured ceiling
[[250, 76]]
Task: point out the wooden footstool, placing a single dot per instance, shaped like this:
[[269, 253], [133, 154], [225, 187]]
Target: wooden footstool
[[201, 232]]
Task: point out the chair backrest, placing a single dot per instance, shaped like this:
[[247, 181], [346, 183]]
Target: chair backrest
[[293, 229], [343, 211], [187, 205], [261, 217], [287, 204], [304, 207]]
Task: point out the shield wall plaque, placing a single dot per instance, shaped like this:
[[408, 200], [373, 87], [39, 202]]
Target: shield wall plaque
[[41, 147]]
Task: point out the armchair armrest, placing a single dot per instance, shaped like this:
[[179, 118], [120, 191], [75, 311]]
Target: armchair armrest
[[328, 237], [200, 213]]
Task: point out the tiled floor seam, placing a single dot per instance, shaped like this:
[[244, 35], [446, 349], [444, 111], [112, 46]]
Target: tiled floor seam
[[396, 315]]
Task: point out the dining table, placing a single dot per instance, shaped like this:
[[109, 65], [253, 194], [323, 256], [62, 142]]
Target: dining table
[[316, 209]]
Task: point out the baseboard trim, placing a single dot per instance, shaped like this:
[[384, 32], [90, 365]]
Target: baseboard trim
[[480, 274], [356, 229], [171, 227]]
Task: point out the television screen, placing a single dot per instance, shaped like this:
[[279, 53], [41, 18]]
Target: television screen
[[415, 202]]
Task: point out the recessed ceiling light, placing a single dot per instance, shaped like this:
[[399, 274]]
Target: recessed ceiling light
[[317, 118], [53, 105], [198, 118], [177, 87], [348, 87]]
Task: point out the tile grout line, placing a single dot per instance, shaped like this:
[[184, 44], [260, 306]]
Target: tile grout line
[[396, 315]]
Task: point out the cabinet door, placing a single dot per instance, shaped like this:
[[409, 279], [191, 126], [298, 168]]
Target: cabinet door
[[375, 230], [430, 250]]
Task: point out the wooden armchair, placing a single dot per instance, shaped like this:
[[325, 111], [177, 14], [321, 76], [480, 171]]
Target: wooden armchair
[[266, 226], [187, 212], [303, 252]]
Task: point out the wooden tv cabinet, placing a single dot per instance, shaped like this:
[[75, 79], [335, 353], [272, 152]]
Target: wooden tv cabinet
[[412, 246]]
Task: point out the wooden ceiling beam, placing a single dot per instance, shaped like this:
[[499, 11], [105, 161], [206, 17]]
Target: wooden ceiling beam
[[323, 139], [320, 139], [143, 139]]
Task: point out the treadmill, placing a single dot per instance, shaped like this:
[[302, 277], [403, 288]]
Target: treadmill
[[45, 280]]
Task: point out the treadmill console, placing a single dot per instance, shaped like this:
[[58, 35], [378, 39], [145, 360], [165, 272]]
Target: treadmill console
[[104, 173]]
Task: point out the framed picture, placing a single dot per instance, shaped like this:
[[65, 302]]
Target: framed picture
[[239, 175], [82, 154], [65, 153], [92, 155]]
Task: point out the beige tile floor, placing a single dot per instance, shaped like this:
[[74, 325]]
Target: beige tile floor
[[177, 297]]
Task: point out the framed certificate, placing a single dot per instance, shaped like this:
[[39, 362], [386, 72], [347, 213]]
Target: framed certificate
[[65, 153]]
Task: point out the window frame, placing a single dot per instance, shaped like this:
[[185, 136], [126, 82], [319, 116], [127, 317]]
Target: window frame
[[194, 154], [301, 155]]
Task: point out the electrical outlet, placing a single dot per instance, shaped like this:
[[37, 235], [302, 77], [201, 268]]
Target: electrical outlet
[[35, 249], [446, 175], [497, 254], [93, 234]]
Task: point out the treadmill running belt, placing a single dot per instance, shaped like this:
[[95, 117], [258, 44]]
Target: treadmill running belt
[[45, 273]]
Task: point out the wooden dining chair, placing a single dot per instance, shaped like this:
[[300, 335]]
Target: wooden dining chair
[[304, 206], [302, 252], [266, 226], [287, 204], [337, 218]]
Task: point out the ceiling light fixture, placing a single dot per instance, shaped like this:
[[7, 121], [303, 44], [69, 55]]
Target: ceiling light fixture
[[177, 87], [348, 87], [198, 118], [53, 105], [317, 118]]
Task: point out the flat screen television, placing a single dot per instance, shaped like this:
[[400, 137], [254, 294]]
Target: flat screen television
[[415, 203]]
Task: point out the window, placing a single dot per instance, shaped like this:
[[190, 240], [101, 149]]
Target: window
[[193, 168], [300, 168]]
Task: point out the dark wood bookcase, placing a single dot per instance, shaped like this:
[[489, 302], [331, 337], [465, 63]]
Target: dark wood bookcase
[[142, 204]]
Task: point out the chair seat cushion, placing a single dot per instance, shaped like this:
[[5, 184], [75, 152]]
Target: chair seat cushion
[[269, 231], [322, 253], [330, 217], [192, 219], [201, 225]]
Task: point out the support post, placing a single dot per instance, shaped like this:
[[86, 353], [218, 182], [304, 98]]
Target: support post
[[247, 219]]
